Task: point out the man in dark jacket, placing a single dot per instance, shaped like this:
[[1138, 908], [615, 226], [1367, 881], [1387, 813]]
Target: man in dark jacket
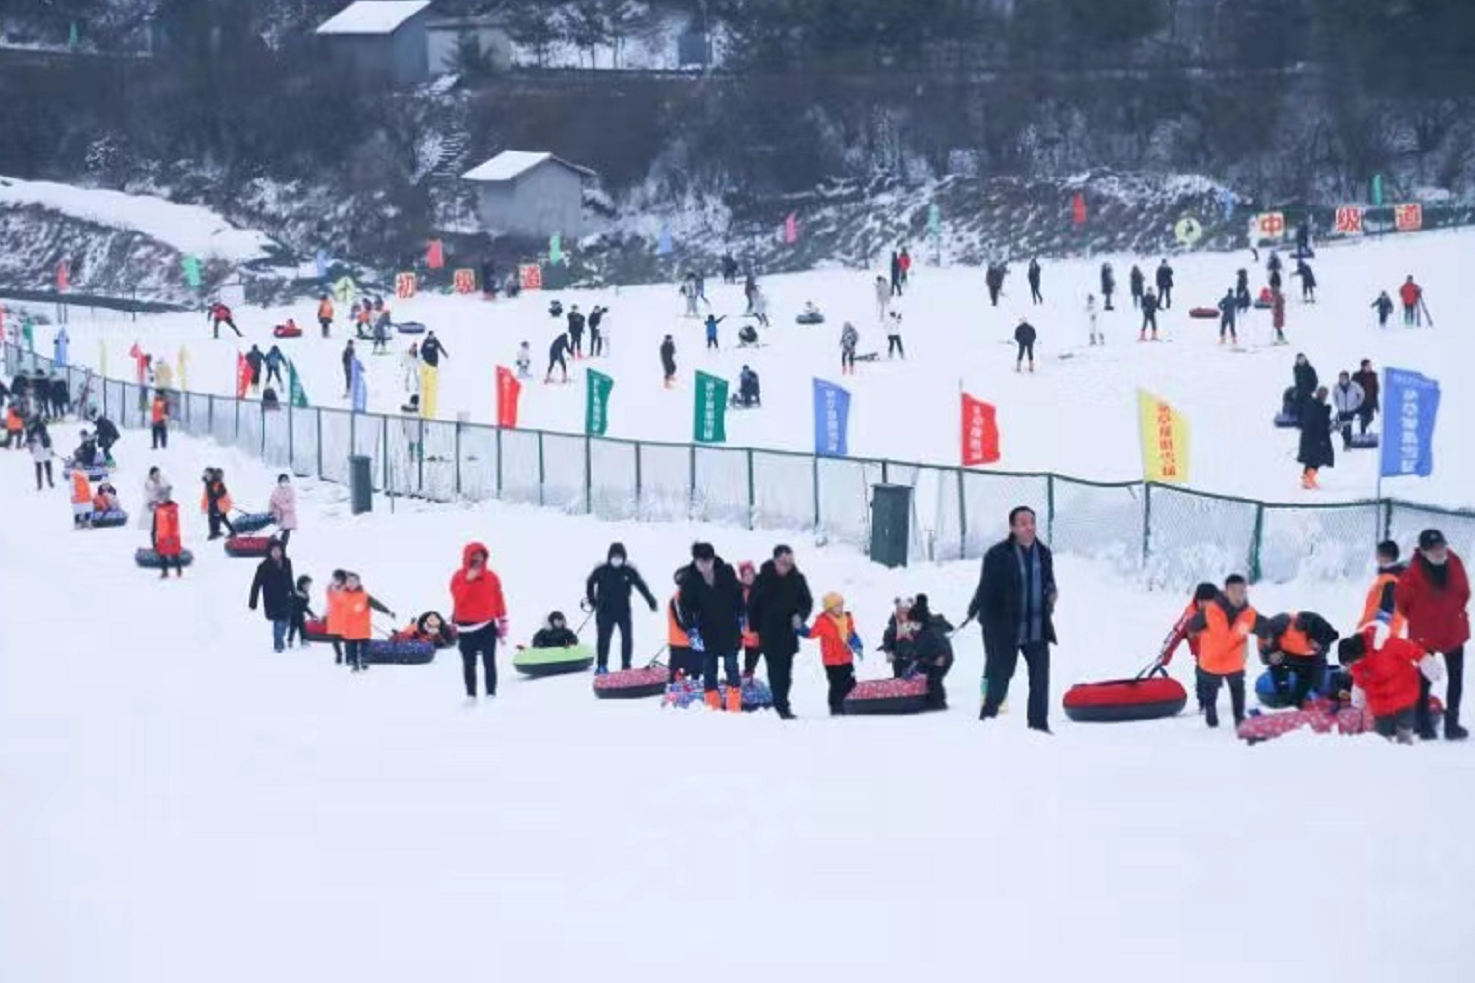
[[576, 331], [1228, 312], [432, 351], [1034, 282], [1366, 377], [254, 359], [607, 593], [348, 359], [1433, 594], [1165, 285], [709, 603], [107, 436], [1015, 604], [1316, 439], [274, 586], [931, 651], [779, 603], [1137, 284]]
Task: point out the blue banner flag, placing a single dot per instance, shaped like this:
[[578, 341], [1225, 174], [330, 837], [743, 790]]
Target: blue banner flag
[[1226, 201], [831, 419], [1410, 404], [664, 245], [322, 265], [360, 388]]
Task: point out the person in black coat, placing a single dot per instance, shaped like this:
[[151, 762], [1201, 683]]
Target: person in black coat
[[1242, 291], [107, 435], [1108, 285], [348, 359], [931, 650], [668, 361], [576, 331], [1149, 315], [1308, 281], [1316, 439], [596, 338], [254, 359], [709, 603], [275, 588], [1024, 337], [779, 603], [1015, 604], [895, 273], [558, 355], [432, 351], [1034, 282], [607, 594], [1165, 285], [1228, 312], [1306, 382]]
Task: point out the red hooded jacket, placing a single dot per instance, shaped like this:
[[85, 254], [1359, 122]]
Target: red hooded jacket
[[1410, 293], [1181, 634], [1389, 676], [1437, 618], [479, 601]]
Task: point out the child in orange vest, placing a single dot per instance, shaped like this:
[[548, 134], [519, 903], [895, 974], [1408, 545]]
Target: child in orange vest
[[81, 499], [751, 655], [354, 619], [1224, 628], [684, 662], [839, 646]]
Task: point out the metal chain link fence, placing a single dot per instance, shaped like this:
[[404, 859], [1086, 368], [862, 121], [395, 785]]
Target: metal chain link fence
[[1173, 536]]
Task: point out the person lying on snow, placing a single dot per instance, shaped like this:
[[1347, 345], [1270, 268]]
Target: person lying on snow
[[1386, 671], [555, 633], [106, 499], [1297, 643], [429, 627], [839, 646]]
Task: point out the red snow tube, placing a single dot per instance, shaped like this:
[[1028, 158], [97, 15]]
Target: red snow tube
[[286, 331], [248, 546], [1148, 698], [877, 697], [632, 684], [316, 631], [1204, 313]]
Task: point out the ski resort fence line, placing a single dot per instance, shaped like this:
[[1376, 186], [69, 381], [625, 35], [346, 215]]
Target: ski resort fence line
[[1174, 534]]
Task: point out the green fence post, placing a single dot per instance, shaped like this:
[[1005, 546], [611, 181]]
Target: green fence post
[[319, 413], [209, 413], [458, 458], [1050, 507], [885, 473], [588, 475], [691, 479], [814, 459], [263, 432], [752, 498], [962, 515], [638, 488], [1254, 573], [542, 475], [1146, 522], [420, 459]]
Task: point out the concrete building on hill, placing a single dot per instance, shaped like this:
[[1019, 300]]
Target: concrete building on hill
[[381, 41], [531, 194]]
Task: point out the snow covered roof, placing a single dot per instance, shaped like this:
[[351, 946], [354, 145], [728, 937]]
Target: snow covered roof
[[510, 165], [372, 17]]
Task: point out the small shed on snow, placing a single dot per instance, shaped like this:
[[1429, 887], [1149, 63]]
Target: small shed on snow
[[380, 40], [531, 193]]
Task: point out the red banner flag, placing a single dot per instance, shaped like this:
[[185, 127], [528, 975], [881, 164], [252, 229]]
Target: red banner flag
[[435, 255], [63, 277], [1078, 209], [243, 376], [508, 391], [980, 432]]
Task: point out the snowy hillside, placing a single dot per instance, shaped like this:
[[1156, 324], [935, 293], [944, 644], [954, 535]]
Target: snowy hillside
[[181, 789], [1076, 415]]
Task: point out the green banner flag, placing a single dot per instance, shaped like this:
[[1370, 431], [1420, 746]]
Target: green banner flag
[[555, 250], [934, 220], [596, 403], [1377, 191], [192, 272], [709, 426], [298, 395], [345, 290]]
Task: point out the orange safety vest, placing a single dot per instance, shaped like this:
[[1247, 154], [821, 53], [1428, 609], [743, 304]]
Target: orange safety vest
[[355, 615], [81, 488], [1372, 606], [166, 529], [225, 502], [675, 637], [1294, 641], [13, 422], [1222, 644], [161, 410], [325, 311], [337, 606]]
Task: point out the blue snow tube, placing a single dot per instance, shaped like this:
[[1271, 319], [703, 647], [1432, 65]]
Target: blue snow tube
[[409, 327], [389, 653], [110, 519], [150, 560], [251, 521], [1267, 694]]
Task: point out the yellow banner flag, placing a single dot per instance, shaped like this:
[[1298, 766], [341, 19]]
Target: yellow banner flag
[[1164, 440], [183, 368]]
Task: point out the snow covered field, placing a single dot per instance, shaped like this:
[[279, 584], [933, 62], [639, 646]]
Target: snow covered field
[[180, 803], [1075, 416]]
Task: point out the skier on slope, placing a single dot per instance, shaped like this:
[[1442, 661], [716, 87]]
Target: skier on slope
[[1242, 301], [994, 278], [668, 361], [1108, 285], [711, 326], [524, 361], [1308, 281], [576, 331], [1412, 296], [1165, 285], [1384, 306], [596, 336], [1278, 314], [894, 290], [849, 339], [1024, 337], [883, 299], [558, 355], [894, 347], [1228, 309], [1149, 315], [1137, 285], [1034, 281], [348, 359]]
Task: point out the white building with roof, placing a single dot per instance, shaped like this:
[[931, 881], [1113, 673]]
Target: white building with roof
[[380, 40], [530, 193]]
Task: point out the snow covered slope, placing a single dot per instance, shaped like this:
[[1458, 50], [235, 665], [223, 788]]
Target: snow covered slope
[[195, 807], [1075, 415]]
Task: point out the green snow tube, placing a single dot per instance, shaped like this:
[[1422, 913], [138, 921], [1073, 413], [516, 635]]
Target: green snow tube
[[537, 663]]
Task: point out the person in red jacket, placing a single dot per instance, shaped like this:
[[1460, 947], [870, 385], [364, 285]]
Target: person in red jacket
[[480, 616], [1412, 296], [1433, 595], [1203, 595], [1390, 672]]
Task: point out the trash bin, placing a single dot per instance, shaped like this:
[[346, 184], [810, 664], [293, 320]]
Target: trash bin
[[361, 483], [891, 524]]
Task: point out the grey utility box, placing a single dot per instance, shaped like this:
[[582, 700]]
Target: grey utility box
[[361, 483]]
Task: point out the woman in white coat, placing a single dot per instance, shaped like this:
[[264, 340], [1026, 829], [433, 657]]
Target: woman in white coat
[[155, 490], [283, 508]]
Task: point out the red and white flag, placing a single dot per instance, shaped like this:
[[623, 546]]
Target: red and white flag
[[980, 432], [508, 392]]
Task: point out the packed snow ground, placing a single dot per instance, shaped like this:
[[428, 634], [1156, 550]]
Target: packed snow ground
[[180, 803], [191, 229], [1076, 415]]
